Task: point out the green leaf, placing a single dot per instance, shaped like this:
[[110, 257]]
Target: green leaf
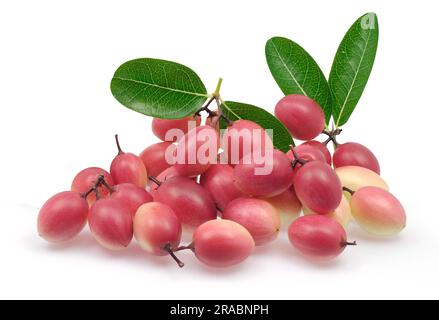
[[235, 111], [352, 66], [296, 72], [158, 88]]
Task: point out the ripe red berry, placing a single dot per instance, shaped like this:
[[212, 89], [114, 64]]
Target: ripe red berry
[[154, 157], [62, 217], [131, 195], [196, 151], [222, 243], [191, 202], [157, 229], [318, 237], [111, 223], [302, 116], [355, 154], [258, 216], [128, 168], [244, 137], [264, 176], [218, 180], [85, 179], [318, 187]]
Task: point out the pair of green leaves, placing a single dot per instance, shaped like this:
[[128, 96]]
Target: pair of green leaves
[[296, 72], [169, 90]]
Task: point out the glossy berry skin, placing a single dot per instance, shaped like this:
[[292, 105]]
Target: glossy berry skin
[[154, 157], [355, 154], [318, 187], [111, 224], [287, 205], [302, 116], [131, 195], [317, 237], [62, 217], [378, 211], [161, 126], [258, 216], [85, 180], [244, 137], [191, 202], [341, 215], [267, 184], [129, 168], [222, 243], [218, 180], [196, 151], [156, 226], [321, 147], [355, 178]]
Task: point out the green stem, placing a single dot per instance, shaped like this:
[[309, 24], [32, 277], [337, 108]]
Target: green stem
[[218, 88]]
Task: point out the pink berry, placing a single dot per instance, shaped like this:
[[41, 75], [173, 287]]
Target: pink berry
[[111, 223], [154, 157], [378, 211], [85, 179], [62, 217], [157, 229], [128, 168], [222, 243], [218, 180], [191, 202], [318, 237], [244, 137], [264, 176], [196, 151], [259, 217], [302, 116], [355, 154], [318, 187], [131, 195]]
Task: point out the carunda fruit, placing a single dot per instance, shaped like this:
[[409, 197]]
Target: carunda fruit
[[111, 224], [378, 211], [259, 217], [318, 237], [302, 116], [191, 202], [264, 175], [62, 217], [222, 243], [86, 178], [218, 180], [355, 154], [318, 187], [128, 168], [157, 229]]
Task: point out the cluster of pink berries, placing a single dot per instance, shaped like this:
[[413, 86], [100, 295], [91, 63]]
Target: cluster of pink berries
[[228, 206]]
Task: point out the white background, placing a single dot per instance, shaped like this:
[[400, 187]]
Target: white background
[[58, 116]]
